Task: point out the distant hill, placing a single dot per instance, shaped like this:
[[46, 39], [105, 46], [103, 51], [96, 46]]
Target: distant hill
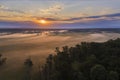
[[20, 30]]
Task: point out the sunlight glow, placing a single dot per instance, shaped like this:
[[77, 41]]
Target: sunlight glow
[[43, 21]]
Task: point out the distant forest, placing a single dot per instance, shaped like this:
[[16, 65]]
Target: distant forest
[[85, 61]]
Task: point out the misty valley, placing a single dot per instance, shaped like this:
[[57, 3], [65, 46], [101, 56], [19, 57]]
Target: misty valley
[[59, 39], [34, 46]]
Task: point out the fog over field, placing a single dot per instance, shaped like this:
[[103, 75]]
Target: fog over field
[[17, 47]]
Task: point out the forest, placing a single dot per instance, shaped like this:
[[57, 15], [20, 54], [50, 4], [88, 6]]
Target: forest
[[84, 61]]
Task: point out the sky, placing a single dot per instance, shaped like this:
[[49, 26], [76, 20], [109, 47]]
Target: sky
[[59, 14]]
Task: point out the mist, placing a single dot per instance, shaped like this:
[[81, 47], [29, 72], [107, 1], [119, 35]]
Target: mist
[[17, 47]]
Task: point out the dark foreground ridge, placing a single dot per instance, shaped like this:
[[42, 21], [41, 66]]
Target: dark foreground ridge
[[85, 61]]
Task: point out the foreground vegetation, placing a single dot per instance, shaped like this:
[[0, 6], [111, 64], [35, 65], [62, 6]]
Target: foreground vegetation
[[2, 60], [85, 61]]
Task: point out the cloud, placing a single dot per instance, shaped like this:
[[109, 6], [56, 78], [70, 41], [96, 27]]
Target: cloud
[[106, 10], [94, 18], [52, 9], [5, 9], [1, 6], [12, 14], [83, 20]]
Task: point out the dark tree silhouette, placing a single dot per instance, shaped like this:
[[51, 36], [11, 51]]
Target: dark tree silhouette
[[113, 75], [2, 60], [85, 61], [28, 68], [98, 72], [28, 62]]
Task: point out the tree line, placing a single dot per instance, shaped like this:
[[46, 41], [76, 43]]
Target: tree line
[[85, 61]]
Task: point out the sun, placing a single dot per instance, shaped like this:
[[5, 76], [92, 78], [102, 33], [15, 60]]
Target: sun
[[43, 21]]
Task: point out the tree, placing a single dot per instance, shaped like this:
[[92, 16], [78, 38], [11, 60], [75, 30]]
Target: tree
[[113, 75], [49, 64], [28, 67], [2, 60], [78, 76], [28, 62], [98, 72]]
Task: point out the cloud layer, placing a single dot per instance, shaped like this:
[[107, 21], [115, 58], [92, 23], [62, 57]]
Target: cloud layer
[[59, 13]]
